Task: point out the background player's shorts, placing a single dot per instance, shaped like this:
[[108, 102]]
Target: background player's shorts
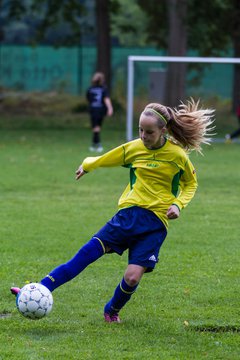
[[138, 230], [97, 116]]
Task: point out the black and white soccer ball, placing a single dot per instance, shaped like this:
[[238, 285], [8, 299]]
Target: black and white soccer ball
[[34, 301]]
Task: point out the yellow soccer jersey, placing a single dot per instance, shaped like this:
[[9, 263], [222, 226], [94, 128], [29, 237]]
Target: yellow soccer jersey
[[158, 178]]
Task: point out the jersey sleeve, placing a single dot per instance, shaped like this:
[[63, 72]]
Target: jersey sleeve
[[105, 92], [188, 186], [115, 157]]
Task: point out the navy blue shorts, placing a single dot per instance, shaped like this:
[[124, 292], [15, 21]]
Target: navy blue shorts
[[138, 230], [97, 116]]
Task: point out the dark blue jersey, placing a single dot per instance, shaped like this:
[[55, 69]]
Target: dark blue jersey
[[95, 97]]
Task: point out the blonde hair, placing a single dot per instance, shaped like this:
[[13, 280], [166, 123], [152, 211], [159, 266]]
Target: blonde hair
[[98, 78], [187, 125]]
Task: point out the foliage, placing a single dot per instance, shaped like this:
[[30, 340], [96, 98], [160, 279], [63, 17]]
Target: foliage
[[39, 103], [208, 31], [157, 22], [208, 34], [45, 16], [39, 111], [128, 24], [188, 308], [135, 23]]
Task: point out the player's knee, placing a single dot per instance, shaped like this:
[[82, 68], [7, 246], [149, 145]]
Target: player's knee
[[132, 279], [133, 274]]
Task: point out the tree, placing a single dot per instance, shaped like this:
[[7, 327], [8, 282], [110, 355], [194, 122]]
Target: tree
[[167, 27], [212, 29], [103, 39], [128, 24], [236, 52], [68, 18], [218, 23], [177, 46], [48, 15]]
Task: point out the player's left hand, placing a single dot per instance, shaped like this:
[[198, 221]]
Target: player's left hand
[[173, 212], [109, 112], [80, 172]]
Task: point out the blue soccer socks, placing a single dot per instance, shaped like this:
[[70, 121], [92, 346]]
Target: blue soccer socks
[[121, 296], [89, 253]]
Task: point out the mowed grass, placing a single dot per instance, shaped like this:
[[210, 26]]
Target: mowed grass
[[188, 308]]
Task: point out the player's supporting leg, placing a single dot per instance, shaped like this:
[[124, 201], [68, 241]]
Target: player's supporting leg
[[89, 253], [235, 134], [121, 296], [96, 137]]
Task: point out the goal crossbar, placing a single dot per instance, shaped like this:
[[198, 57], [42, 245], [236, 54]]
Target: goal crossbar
[[177, 59]]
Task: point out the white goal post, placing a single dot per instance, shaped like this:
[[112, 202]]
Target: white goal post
[[178, 59]]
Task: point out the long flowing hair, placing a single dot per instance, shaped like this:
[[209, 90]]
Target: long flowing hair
[[188, 125]]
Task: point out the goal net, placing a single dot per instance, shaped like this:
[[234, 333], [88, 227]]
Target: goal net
[[210, 80]]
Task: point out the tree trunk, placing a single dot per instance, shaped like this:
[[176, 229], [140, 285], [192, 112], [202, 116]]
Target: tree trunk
[[177, 46], [236, 54], [103, 39], [236, 77], [1, 27]]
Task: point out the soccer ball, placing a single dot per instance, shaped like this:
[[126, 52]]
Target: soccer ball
[[34, 301]]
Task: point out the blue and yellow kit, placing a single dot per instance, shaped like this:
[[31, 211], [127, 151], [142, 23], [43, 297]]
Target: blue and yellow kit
[[158, 178]]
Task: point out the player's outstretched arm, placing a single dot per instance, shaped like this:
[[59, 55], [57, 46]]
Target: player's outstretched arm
[[80, 172]]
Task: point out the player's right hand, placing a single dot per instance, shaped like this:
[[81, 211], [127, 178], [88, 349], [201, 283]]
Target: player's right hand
[[80, 172]]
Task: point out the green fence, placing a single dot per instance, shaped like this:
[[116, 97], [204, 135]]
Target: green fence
[[39, 68], [45, 68]]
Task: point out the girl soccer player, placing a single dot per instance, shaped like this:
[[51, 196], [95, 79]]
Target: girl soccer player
[[162, 183]]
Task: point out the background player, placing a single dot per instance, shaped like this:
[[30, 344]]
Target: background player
[[100, 105]]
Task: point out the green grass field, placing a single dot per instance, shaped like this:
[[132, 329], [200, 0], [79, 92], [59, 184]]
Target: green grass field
[[188, 308]]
